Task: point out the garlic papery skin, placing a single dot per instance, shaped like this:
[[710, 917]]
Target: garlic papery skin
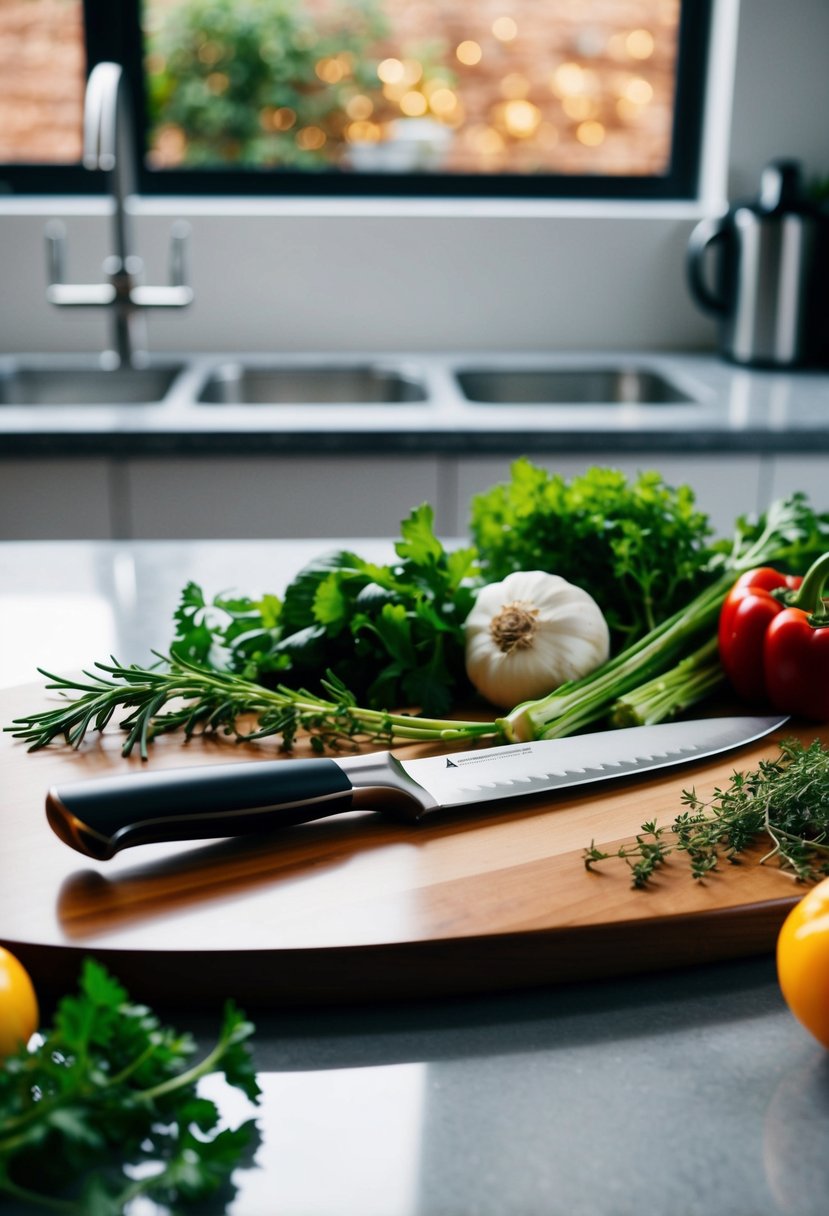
[[529, 634]]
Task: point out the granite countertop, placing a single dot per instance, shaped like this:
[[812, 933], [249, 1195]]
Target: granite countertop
[[727, 408], [691, 1092]]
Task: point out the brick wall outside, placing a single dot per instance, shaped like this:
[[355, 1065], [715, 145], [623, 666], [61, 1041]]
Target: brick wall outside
[[589, 34], [608, 111], [42, 68]]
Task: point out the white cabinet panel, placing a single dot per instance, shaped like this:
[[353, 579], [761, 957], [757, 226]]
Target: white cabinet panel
[[260, 497], [725, 485], [807, 473], [55, 499]]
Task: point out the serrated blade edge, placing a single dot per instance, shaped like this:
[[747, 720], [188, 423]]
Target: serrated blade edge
[[548, 765]]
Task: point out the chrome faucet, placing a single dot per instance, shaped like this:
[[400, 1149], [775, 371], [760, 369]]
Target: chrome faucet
[[108, 146]]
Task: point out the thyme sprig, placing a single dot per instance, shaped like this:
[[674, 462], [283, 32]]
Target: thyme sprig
[[785, 800], [181, 695]]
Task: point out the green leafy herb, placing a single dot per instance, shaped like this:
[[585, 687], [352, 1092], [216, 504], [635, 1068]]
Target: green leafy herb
[[640, 548], [105, 1109], [229, 633], [393, 634], [269, 53], [785, 800]]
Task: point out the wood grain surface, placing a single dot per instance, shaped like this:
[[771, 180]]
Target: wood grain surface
[[360, 907]]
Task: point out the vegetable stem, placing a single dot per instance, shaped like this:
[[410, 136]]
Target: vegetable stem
[[689, 682], [201, 1069], [579, 703], [810, 595]]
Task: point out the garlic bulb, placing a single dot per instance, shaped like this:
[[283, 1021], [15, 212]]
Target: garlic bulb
[[530, 633]]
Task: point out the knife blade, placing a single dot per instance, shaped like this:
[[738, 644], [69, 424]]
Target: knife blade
[[102, 816]]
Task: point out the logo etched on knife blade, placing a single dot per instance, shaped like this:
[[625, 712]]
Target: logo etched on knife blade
[[543, 775]]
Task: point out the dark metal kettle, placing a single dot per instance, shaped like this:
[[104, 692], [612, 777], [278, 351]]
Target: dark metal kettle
[[767, 291]]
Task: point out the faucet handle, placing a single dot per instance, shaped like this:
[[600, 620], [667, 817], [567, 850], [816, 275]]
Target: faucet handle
[[180, 254], [55, 234], [179, 293], [58, 291], [121, 284]]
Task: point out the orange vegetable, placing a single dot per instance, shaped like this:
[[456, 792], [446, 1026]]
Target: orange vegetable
[[19, 1011], [803, 961]]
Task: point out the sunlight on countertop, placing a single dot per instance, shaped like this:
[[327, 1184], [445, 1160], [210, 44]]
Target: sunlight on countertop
[[63, 641], [362, 1125]]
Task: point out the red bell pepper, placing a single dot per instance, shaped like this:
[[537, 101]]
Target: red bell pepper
[[796, 649], [752, 604]]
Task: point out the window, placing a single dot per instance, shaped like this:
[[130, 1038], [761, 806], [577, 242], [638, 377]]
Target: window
[[534, 98]]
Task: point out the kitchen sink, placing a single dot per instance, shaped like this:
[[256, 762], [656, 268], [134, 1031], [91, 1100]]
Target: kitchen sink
[[85, 386], [238, 384], [569, 386]]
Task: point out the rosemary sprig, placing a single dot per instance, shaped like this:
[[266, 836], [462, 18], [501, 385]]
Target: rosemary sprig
[[181, 695], [785, 799]]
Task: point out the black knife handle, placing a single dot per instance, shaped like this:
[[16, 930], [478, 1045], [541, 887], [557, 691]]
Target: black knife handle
[[102, 816]]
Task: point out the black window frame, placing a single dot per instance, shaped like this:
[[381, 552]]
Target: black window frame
[[113, 32]]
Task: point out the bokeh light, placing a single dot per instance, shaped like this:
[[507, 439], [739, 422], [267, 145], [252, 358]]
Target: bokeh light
[[469, 52], [595, 82], [567, 86], [505, 29]]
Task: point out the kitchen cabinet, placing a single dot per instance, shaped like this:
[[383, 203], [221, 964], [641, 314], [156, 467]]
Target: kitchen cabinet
[[56, 499], [807, 473], [224, 497], [332, 496], [368, 496]]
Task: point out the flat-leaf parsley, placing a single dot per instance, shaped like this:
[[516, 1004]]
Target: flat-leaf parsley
[[102, 1108]]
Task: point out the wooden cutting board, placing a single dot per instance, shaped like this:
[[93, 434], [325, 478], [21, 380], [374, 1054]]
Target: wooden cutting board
[[360, 907]]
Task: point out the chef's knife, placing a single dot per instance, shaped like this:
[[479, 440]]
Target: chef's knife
[[102, 816]]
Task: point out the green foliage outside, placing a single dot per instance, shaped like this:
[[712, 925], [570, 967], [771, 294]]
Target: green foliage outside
[[230, 74]]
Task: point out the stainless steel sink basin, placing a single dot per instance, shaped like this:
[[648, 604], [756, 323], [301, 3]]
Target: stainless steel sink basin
[[238, 384], [85, 386], [569, 386]]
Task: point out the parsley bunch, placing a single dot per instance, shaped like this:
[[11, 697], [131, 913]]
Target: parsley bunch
[[105, 1109], [640, 548], [228, 633], [393, 634]]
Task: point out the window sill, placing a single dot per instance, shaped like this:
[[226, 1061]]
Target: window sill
[[368, 207]]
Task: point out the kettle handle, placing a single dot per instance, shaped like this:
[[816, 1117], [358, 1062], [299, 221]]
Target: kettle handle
[[708, 233]]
